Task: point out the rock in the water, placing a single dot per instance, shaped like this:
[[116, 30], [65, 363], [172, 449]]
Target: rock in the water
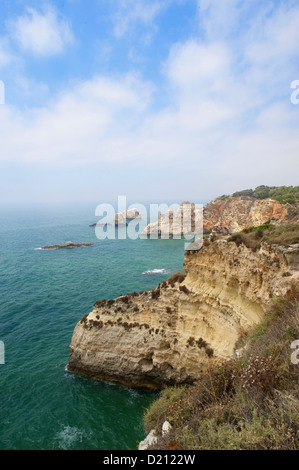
[[66, 245]]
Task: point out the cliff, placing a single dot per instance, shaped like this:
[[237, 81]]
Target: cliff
[[227, 215], [170, 334], [236, 213]]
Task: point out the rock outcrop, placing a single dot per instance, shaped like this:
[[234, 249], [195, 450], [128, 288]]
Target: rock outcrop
[[236, 213], [187, 220], [152, 438], [170, 334], [226, 216]]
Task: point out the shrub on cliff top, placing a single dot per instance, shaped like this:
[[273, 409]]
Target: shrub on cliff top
[[176, 277], [283, 194], [252, 237]]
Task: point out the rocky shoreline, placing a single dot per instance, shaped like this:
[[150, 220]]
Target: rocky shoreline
[[169, 335]]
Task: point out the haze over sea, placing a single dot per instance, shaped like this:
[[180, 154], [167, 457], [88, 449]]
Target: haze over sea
[[43, 294]]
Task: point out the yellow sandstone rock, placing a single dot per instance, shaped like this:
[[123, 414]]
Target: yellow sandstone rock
[[170, 334]]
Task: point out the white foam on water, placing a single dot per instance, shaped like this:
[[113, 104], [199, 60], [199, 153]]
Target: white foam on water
[[154, 271], [68, 436]]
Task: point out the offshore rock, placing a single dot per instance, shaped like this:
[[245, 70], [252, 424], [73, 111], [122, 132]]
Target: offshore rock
[[66, 245]]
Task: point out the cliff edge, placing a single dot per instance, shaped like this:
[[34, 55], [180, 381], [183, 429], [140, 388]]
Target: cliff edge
[[171, 334]]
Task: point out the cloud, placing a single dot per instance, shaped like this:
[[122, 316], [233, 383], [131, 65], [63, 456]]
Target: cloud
[[226, 118], [132, 12], [196, 70], [82, 125], [42, 34], [5, 54]]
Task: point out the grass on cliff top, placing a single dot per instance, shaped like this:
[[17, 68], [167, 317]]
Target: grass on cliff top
[[248, 403], [252, 237]]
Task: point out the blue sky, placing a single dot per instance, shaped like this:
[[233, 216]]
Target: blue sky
[[156, 100]]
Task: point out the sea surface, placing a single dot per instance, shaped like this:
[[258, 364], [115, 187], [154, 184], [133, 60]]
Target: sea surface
[[43, 294]]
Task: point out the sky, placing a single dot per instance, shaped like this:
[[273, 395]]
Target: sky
[[156, 100]]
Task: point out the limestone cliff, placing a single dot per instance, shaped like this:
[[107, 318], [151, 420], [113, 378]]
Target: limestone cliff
[[228, 215], [168, 335], [236, 213]]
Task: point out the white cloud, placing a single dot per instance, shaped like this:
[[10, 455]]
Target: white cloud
[[226, 117], [5, 55], [277, 40], [82, 125], [41, 34], [220, 18], [197, 70], [132, 12]]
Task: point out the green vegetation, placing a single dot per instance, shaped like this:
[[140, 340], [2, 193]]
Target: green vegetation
[[248, 403], [283, 194], [224, 197], [252, 237], [176, 277]]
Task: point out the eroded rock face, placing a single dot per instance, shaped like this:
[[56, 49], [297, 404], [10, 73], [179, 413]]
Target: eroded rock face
[[227, 216], [186, 220], [170, 334], [235, 214]]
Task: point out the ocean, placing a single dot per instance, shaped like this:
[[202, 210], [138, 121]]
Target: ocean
[[43, 294]]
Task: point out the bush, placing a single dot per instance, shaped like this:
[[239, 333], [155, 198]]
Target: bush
[[283, 194], [176, 277], [273, 235]]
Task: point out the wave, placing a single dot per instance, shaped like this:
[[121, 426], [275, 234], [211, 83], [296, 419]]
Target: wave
[[154, 271], [69, 437]]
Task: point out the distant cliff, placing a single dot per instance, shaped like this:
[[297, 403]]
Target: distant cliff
[[170, 334], [228, 214], [232, 214]]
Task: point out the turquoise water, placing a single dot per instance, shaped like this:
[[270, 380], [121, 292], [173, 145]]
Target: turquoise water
[[43, 294]]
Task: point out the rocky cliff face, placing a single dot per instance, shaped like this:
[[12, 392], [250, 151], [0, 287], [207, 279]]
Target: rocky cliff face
[[227, 216], [170, 334], [188, 219], [236, 213]]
